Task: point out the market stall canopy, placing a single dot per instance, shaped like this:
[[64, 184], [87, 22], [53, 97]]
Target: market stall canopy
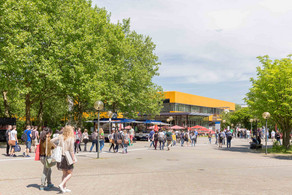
[[197, 127], [128, 127], [176, 127]]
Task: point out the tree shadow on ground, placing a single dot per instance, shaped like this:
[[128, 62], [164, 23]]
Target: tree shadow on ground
[[240, 148], [246, 149], [37, 186]]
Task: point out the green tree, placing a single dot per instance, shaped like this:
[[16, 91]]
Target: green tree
[[272, 92]]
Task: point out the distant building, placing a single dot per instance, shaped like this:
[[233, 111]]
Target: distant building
[[190, 110]]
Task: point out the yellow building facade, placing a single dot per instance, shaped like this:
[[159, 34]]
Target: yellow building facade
[[189, 110]]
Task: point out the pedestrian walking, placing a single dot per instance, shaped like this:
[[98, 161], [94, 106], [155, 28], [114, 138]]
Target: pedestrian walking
[[119, 140], [186, 138], [182, 138], [193, 139], [101, 138], [14, 140], [155, 137], [173, 138], [126, 138], [7, 134], [85, 139], [132, 135], [34, 137], [45, 154], [111, 141], [220, 138], [228, 138], [161, 140], [66, 141], [210, 137], [150, 138], [168, 136], [28, 135], [94, 140]]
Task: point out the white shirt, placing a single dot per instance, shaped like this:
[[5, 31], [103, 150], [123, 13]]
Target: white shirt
[[13, 134], [132, 131]]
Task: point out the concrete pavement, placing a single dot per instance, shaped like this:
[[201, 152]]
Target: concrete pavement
[[203, 169]]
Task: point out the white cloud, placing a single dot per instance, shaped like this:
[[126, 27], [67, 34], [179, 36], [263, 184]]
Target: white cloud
[[214, 40]]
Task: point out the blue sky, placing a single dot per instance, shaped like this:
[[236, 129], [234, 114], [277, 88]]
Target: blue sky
[[209, 47]]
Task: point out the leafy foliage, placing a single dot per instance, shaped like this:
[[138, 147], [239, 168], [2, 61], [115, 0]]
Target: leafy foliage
[[53, 51], [272, 92]]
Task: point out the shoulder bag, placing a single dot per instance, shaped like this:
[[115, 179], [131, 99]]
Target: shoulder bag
[[57, 153]]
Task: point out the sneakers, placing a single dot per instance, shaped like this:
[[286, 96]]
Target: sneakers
[[67, 190], [27, 156], [49, 186], [61, 188], [14, 155]]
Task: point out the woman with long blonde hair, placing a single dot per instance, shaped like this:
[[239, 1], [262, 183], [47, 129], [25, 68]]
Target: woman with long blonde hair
[[66, 141]]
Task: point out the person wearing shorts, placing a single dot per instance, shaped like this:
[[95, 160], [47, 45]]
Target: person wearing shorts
[[28, 141]]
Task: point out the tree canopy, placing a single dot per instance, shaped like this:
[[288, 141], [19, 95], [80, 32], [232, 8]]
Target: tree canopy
[[272, 92], [53, 51]]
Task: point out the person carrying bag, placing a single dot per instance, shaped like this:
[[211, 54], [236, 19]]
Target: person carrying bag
[[45, 157]]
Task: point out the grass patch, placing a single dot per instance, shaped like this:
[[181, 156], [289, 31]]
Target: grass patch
[[279, 149]]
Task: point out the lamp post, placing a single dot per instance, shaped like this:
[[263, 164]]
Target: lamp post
[[266, 115], [224, 121], [110, 115], [232, 128], [98, 105]]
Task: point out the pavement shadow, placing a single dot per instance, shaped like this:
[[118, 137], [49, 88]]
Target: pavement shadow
[[241, 148], [37, 186], [281, 157]]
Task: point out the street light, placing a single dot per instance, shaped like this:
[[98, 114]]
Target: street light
[[110, 115], [266, 115], [98, 105], [224, 121]]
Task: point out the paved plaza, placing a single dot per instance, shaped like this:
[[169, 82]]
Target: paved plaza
[[203, 169]]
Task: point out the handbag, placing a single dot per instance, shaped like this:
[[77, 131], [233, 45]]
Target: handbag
[[57, 154], [48, 160], [17, 148], [12, 142], [37, 153], [126, 141]]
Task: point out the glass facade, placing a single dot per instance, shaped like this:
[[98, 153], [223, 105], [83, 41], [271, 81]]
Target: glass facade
[[168, 107]]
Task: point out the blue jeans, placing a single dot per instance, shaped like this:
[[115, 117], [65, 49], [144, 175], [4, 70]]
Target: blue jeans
[[228, 143], [101, 143], [194, 142], [182, 141], [151, 144], [161, 145], [210, 139], [94, 142], [126, 148]]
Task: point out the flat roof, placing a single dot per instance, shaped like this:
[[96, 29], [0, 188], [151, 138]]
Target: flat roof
[[190, 99]]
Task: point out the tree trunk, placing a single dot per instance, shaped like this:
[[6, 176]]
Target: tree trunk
[[286, 138], [27, 109], [40, 115], [6, 105], [80, 112]]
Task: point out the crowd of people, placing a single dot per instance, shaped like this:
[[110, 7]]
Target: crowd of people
[[69, 140], [170, 138]]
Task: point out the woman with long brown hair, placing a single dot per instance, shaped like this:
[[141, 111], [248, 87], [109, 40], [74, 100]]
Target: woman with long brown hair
[[66, 141]]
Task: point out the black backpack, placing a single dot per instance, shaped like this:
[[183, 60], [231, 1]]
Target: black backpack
[[24, 137]]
